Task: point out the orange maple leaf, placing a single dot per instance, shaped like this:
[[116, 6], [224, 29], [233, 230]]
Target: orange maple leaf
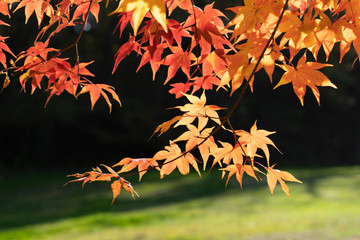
[[117, 185], [246, 18], [182, 163], [194, 137], [96, 90], [164, 127], [298, 33], [4, 8], [238, 70], [239, 170], [228, 152], [274, 175], [83, 7], [209, 30], [305, 74], [178, 59], [180, 88], [142, 163], [97, 175], [38, 6], [92, 176], [256, 139], [197, 109], [4, 47], [125, 50], [182, 4]]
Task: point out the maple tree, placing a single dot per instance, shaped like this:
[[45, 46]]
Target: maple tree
[[210, 51]]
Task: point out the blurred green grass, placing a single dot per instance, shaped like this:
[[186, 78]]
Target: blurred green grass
[[326, 206]]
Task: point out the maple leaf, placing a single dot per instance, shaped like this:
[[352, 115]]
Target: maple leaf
[[92, 176], [299, 33], [348, 37], [125, 50], [208, 28], [178, 59], [61, 18], [238, 70], [274, 175], [239, 170], [255, 44], [60, 74], [140, 8], [34, 54], [125, 18], [142, 163], [38, 6], [57, 70], [4, 8], [245, 19], [6, 82], [96, 90], [117, 185], [330, 33], [80, 69], [164, 127], [182, 4], [305, 74], [116, 188], [98, 175], [83, 7], [180, 88], [197, 109], [355, 38], [4, 47], [194, 137], [176, 32], [152, 55], [204, 82], [228, 152], [257, 138], [182, 163], [216, 63]]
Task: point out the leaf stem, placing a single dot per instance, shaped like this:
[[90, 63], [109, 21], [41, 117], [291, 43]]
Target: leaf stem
[[239, 98]]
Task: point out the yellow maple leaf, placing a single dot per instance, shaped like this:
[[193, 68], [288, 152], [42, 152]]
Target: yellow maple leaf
[[175, 159], [274, 175], [239, 170], [194, 138], [228, 152], [305, 74], [140, 8], [257, 138], [197, 109]]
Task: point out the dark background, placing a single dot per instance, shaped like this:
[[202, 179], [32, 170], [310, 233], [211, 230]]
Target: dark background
[[68, 136]]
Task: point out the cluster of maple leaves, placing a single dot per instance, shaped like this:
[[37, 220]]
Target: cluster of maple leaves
[[212, 52]]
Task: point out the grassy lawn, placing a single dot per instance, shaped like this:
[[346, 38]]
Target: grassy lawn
[[326, 206]]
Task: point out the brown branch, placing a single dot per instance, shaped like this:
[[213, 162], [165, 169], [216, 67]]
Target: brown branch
[[239, 98], [247, 158], [79, 36], [227, 117]]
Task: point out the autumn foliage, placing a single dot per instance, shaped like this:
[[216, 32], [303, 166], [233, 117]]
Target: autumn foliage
[[210, 52]]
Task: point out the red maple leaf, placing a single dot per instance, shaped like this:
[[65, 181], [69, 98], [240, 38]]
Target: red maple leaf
[[178, 59], [180, 88]]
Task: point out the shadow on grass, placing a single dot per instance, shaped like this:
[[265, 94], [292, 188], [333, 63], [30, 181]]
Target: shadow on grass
[[41, 198]]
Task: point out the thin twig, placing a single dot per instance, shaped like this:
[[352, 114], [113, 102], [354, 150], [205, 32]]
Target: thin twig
[[75, 42], [239, 98]]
